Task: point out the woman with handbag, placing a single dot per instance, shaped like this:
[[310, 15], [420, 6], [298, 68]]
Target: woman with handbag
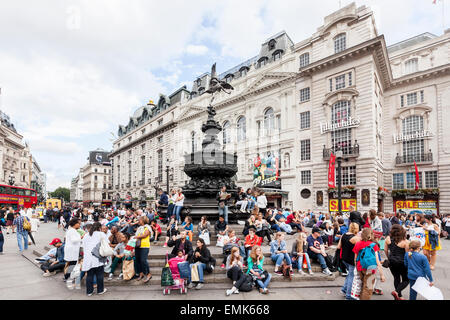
[[395, 248], [91, 264], [203, 226], [278, 251], [298, 253], [234, 268], [143, 234], [229, 241], [72, 244], [255, 269], [201, 258]]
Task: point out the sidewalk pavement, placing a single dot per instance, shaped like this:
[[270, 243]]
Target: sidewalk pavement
[[21, 279]]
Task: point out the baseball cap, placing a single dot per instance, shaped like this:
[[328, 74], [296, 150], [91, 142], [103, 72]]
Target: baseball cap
[[55, 241], [315, 229]]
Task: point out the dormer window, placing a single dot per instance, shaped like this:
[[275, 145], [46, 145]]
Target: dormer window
[[201, 90], [199, 82], [272, 44], [228, 78], [262, 62], [243, 71], [277, 55], [411, 66]]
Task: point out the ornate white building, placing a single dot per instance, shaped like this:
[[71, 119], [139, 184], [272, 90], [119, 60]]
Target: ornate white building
[[295, 103]]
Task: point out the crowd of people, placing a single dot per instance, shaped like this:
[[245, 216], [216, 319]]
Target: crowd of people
[[99, 241]]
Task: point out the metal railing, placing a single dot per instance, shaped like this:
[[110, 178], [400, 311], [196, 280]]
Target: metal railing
[[347, 152], [410, 158]]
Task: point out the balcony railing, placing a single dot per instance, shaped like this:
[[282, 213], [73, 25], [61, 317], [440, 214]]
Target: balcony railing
[[410, 158], [347, 152]]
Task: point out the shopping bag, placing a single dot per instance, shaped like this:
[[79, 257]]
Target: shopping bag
[[184, 269], [105, 249], [190, 236], [128, 269], [305, 263], [205, 237], [356, 287], [219, 240], [194, 274]]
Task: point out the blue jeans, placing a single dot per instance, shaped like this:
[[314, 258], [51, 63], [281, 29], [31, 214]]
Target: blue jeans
[[24, 235], [177, 212], [300, 262], [250, 204], [224, 212], [266, 282], [2, 240], [45, 218], [347, 287], [275, 227], [201, 269], [278, 259], [412, 292], [320, 258], [170, 209], [82, 274]]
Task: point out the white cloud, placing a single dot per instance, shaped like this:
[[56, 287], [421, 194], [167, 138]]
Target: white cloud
[[197, 50]]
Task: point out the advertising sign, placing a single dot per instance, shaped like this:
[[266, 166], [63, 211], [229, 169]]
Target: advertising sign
[[99, 157], [346, 204], [266, 170], [413, 207]]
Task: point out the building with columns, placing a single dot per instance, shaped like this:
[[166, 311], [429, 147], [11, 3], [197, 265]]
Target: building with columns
[[296, 103]]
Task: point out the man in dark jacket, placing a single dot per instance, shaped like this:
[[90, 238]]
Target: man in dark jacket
[[181, 243], [355, 216], [50, 268]]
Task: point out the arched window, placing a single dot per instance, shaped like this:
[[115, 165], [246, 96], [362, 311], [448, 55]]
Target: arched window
[[193, 142], [269, 121], [412, 65], [226, 133], [413, 150], [340, 43], [272, 44], [243, 71], [304, 60], [228, 78], [241, 129], [341, 138], [277, 55], [262, 62]]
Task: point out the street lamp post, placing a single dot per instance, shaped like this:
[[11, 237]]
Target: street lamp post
[[167, 175], [339, 176]]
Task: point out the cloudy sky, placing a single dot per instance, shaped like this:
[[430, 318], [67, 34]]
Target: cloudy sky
[[71, 71]]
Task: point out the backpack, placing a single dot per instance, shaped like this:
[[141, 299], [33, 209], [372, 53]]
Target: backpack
[[26, 224], [366, 258], [286, 270], [247, 285]]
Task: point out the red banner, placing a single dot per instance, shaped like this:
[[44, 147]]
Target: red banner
[[331, 175], [417, 177]]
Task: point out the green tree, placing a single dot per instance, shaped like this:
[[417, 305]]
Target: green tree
[[61, 193]]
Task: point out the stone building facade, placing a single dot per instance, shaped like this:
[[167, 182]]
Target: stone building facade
[[296, 103]]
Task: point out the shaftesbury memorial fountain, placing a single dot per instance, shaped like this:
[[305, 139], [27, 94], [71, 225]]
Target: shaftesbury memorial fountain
[[211, 168]]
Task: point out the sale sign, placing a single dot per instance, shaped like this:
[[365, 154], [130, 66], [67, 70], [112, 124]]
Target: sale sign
[[346, 204], [416, 206]]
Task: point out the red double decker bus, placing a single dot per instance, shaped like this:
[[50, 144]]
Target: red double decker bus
[[16, 197]]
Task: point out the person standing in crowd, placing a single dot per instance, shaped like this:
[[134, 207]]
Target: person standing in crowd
[[141, 253], [242, 200], [432, 240], [171, 204], [355, 216], [10, 221], [72, 244], [298, 253], [2, 238], [255, 264], [179, 203], [395, 248], [279, 253], [222, 199], [367, 276], [316, 250], [21, 232], [346, 245], [201, 258], [418, 266], [234, 267], [91, 264], [34, 221], [261, 202]]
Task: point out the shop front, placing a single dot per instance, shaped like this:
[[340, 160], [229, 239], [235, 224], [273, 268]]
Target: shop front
[[416, 202], [348, 199]]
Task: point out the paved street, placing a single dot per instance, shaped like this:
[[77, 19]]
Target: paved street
[[21, 279]]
